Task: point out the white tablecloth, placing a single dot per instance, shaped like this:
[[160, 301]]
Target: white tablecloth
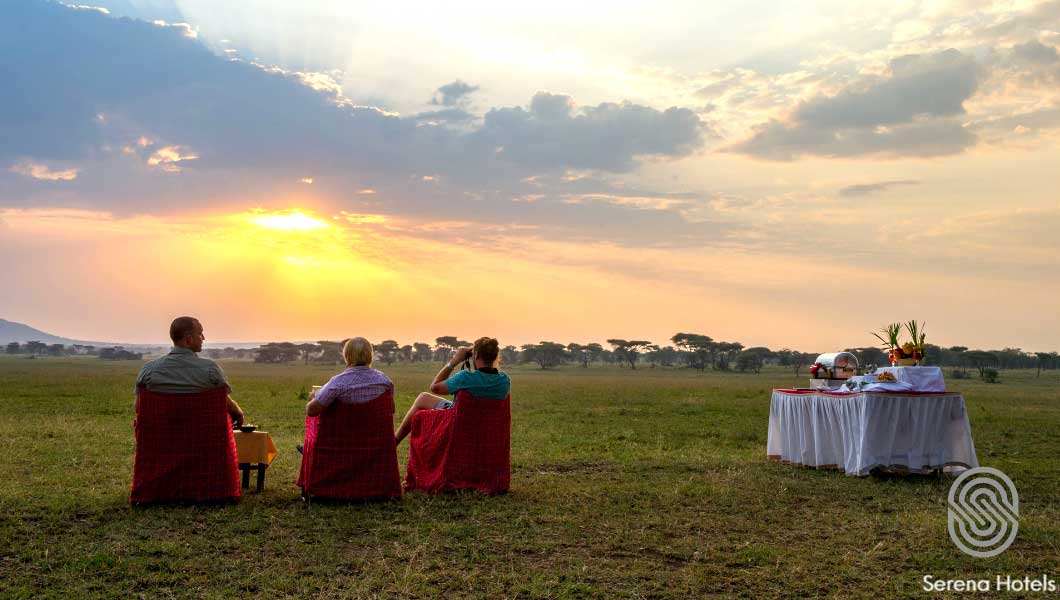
[[858, 432], [907, 379]]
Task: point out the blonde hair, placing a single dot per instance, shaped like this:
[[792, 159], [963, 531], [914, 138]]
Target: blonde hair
[[358, 352]]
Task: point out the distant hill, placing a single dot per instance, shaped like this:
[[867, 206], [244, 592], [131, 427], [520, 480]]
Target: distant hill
[[17, 332], [11, 331]]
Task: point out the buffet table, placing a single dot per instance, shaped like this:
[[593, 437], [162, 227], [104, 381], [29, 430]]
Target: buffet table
[[856, 432]]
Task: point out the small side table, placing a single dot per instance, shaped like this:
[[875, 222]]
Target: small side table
[[256, 452]]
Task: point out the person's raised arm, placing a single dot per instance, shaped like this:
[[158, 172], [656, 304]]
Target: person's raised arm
[[438, 386]]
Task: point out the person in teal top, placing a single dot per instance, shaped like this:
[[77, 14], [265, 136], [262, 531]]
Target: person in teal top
[[486, 381]]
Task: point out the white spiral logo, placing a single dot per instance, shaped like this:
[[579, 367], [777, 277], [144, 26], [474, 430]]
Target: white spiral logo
[[983, 512]]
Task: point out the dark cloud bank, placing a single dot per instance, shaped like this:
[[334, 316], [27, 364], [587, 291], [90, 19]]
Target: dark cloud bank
[[915, 111], [79, 86]]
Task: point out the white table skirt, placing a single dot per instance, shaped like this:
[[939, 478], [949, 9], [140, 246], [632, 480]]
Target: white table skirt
[[859, 432]]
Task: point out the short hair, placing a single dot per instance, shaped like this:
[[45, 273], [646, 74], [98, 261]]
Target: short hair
[[487, 349], [358, 352], [181, 327]]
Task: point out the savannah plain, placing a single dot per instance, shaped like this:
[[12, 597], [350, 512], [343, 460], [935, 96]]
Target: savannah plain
[[625, 484]]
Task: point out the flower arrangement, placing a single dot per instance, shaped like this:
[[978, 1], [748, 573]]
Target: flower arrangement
[[908, 353]]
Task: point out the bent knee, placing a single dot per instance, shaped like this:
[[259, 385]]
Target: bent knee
[[427, 400]]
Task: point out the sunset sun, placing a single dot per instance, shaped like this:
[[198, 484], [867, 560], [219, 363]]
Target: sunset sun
[[287, 221]]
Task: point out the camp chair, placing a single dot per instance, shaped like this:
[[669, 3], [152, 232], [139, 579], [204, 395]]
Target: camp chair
[[185, 451], [349, 452], [464, 447]]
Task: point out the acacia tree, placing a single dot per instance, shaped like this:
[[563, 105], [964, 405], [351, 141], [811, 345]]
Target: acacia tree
[[306, 350], [727, 353], [277, 352], [699, 348], [651, 354], [421, 352], [1045, 360], [388, 351], [596, 352], [545, 354], [509, 355], [447, 346], [331, 352], [35, 347], [981, 360], [578, 353], [667, 356], [630, 350], [799, 360], [753, 359]]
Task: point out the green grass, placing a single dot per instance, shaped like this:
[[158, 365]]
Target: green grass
[[646, 484]]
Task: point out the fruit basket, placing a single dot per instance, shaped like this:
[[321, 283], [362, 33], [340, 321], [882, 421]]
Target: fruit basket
[[908, 354]]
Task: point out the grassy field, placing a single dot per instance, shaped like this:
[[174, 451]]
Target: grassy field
[[646, 484]]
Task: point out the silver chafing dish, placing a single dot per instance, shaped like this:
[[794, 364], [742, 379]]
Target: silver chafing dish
[[833, 366]]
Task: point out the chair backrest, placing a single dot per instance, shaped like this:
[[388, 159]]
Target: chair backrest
[[482, 417], [350, 451], [185, 450], [480, 449], [363, 424]]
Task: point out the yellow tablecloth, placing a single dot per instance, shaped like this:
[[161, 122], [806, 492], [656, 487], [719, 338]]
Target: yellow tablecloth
[[255, 447]]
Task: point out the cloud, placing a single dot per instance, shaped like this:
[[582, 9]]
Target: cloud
[[167, 158], [109, 81], [454, 94], [99, 9], [865, 189], [184, 28], [1032, 121], [43, 172], [445, 115], [913, 111], [1036, 52], [610, 136], [545, 105]]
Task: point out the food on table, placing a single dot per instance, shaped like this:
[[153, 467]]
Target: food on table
[[834, 365]]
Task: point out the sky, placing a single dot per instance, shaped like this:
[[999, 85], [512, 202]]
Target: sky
[[782, 174]]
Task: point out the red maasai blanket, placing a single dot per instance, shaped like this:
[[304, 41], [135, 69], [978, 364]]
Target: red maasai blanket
[[184, 448], [464, 447], [350, 453]]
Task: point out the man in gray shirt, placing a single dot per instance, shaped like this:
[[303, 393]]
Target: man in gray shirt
[[182, 371]]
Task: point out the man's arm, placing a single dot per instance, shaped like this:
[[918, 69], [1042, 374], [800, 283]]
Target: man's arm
[[141, 383], [320, 400], [314, 408], [235, 412]]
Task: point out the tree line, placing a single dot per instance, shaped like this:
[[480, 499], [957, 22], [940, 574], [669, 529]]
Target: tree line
[[38, 348], [686, 350]]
